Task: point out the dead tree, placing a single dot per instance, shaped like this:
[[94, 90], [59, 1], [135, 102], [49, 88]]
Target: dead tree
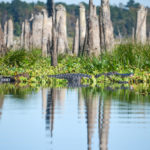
[[141, 25], [82, 27], [61, 30], [75, 50], [107, 25], [53, 49], [3, 48], [92, 45], [9, 33]]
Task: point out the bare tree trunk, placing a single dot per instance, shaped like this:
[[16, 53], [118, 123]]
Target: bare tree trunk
[[22, 36], [37, 26], [102, 43], [149, 37], [75, 50], [53, 49], [27, 35], [141, 25], [3, 48], [82, 28], [61, 30], [46, 33], [9, 33], [91, 7], [133, 35], [107, 25], [5, 32], [54, 46], [93, 38]]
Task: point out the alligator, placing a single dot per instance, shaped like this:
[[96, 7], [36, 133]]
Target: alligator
[[73, 78], [6, 79], [115, 74]]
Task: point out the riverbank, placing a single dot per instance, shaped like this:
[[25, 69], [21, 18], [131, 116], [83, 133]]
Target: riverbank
[[29, 67]]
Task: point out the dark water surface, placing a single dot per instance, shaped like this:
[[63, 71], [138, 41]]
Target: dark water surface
[[74, 119]]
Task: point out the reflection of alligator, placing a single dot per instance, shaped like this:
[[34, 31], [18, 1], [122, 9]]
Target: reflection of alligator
[[122, 87]]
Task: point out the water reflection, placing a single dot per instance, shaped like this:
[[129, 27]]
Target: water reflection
[[104, 121], [95, 105], [54, 96], [96, 110], [96, 115], [1, 104], [50, 110]]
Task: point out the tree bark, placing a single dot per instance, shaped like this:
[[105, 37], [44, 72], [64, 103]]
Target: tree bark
[[82, 28], [141, 25], [107, 25], [75, 50], [53, 48], [61, 30]]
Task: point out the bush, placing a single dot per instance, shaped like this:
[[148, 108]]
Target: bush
[[21, 58]]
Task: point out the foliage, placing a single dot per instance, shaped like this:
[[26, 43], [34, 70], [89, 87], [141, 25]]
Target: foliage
[[21, 58], [126, 58]]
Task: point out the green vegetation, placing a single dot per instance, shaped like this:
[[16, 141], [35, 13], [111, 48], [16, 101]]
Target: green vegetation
[[123, 16], [29, 67]]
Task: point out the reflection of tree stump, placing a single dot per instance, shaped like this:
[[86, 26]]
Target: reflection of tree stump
[[50, 111]]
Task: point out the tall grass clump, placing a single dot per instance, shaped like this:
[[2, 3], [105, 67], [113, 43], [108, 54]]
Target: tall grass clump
[[21, 58], [128, 56]]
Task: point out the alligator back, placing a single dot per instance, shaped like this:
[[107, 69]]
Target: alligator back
[[69, 76]]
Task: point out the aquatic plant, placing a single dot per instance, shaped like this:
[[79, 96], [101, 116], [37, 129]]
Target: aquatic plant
[[126, 58]]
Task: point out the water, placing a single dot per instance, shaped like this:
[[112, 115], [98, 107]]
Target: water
[[74, 119]]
